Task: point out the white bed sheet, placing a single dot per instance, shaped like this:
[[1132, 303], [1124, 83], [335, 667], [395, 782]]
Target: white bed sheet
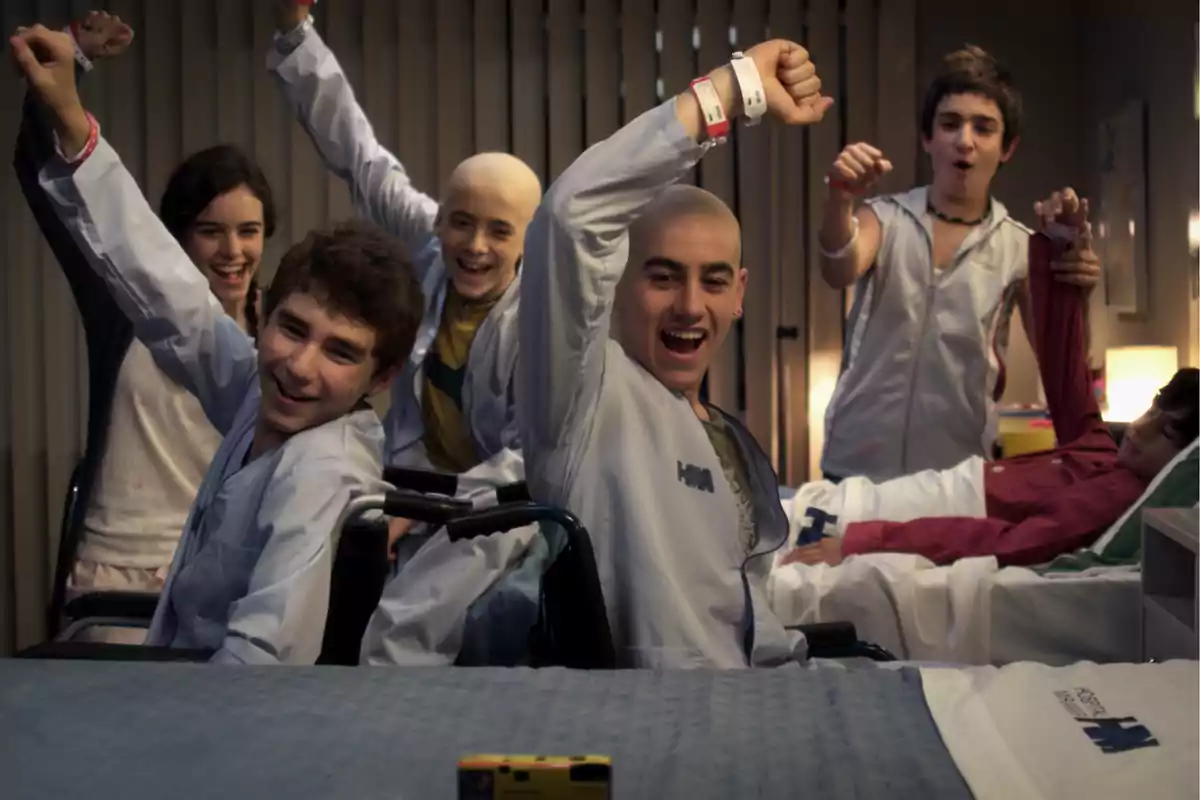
[[1035, 732], [971, 612]]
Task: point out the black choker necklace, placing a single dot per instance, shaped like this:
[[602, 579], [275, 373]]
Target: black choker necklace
[[957, 220]]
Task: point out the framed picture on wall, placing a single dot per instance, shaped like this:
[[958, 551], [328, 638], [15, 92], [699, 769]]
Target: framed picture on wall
[[1121, 228]]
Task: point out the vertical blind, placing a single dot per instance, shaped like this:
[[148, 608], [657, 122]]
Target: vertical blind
[[441, 79]]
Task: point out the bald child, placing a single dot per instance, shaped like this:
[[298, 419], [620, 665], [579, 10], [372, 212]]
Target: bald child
[[638, 281], [451, 406]]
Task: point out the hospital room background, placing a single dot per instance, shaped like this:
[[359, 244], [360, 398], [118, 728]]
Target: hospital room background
[[441, 79]]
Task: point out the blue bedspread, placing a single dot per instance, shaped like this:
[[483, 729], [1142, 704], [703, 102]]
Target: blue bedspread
[[132, 731]]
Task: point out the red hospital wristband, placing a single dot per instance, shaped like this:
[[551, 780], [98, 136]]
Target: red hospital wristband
[[716, 124]]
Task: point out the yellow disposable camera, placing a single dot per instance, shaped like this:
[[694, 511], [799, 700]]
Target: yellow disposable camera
[[500, 777]]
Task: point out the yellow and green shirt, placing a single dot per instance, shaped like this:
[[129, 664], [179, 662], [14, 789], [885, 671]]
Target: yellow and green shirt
[[447, 438]]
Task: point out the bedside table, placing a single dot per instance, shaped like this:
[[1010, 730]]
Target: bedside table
[[1169, 577]]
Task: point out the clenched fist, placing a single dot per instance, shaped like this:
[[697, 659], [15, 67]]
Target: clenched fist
[[857, 168], [47, 60], [790, 83]]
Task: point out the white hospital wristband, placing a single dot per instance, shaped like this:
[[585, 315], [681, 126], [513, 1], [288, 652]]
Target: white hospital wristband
[[844, 250], [754, 99], [83, 61]]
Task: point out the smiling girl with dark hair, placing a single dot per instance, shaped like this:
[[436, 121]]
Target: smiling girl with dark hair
[[149, 442]]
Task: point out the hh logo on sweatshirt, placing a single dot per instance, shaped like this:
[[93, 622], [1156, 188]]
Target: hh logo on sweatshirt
[[1112, 734], [815, 521], [694, 477]]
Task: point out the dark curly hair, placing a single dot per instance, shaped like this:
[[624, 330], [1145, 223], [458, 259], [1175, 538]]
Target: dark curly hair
[[1179, 400], [362, 273], [972, 70], [205, 176]]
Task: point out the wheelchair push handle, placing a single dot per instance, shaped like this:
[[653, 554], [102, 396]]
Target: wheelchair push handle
[[498, 519], [422, 481], [425, 481]]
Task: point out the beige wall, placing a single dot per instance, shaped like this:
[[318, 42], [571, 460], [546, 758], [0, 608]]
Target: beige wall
[[1148, 52], [1076, 61]]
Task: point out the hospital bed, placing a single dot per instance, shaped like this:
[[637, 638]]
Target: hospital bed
[[974, 611], [1024, 731]]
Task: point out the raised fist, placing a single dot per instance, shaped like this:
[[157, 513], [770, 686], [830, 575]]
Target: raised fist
[[1064, 218], [857, 168], [790, 83], [46, 59], [102, 35], [290, 13]]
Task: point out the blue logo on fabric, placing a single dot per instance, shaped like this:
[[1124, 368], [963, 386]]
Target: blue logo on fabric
[[815, 521], [1118, 734], [1110, 733], [694, 477]]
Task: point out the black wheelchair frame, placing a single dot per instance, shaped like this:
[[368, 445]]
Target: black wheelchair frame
[[572, 629]]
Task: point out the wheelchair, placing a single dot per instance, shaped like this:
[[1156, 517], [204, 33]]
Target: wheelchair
[[570, 627]]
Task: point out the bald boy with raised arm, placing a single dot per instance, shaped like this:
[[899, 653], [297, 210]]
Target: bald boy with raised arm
[[636, 281]]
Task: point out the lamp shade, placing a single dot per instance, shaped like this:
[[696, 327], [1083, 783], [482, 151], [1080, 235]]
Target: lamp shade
[[1133, 376]]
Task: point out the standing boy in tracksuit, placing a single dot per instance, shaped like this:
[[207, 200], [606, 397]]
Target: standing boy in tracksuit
[[937, 273]]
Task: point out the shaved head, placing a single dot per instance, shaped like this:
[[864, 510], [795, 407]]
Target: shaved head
[[498, 172], [682, 288], [676, 202], [489, 201]]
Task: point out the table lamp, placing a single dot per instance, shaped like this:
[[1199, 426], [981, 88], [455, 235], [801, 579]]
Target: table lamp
[[1133, 376]]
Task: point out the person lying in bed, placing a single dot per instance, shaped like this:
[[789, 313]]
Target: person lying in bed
[[1028, 509], [250, 578], [682, 506]]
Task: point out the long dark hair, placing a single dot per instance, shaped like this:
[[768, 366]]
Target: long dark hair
[[205, 176]]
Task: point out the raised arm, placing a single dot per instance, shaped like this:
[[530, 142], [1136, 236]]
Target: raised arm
[[98, 35], [849, 240], [148, 274], [577, 244], [1060, 273], [103, 321], [320, 96]]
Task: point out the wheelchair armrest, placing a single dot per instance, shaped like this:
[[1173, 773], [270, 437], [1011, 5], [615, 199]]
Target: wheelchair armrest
[[498, 519], [829, 635], [839, 640], [125, 605], [423, 481], [101, 651], [424, 508]]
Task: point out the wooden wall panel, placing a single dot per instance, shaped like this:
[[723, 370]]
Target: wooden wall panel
[[755, 174], [602, 68], [455, 99], [527, 26], [897, 111], [565, 80], [492, 89], [639, 61], [789, 278], [825, 314], [235, 64], [441, 79], [271, 126], [717, 175], [416, 144], [344, 35]]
